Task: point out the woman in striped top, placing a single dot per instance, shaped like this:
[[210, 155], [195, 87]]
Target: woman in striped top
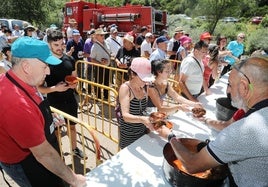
[[133, 102]]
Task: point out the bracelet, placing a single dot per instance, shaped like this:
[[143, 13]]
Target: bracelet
[[170, 136]]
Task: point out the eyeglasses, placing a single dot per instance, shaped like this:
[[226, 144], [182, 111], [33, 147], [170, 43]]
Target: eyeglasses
[[242, 37], [238, 67]]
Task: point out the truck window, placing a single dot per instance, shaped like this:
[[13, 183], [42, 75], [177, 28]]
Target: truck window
[[69, 11]]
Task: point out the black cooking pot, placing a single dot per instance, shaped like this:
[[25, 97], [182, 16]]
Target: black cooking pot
[[224, 109], [179, 178]]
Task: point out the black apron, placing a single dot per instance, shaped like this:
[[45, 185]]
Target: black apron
[[36, 173]]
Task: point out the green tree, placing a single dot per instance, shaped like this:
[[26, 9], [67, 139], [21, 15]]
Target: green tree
[[214, 10], [37, 12]]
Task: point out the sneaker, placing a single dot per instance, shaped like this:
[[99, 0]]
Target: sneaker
[[79, 153]]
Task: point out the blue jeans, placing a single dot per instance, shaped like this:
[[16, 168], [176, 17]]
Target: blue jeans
[[16, 172]]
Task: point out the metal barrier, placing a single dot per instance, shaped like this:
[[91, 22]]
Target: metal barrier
[[176, 86], [97, 73], [98, 111], [176, 69], [88, 145]]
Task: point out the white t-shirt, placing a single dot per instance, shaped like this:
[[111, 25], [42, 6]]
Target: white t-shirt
[[194, 72], [69, 33], [114, 46], [146, 46]]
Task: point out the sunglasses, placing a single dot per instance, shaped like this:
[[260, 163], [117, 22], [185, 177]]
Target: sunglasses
[[242, 37]]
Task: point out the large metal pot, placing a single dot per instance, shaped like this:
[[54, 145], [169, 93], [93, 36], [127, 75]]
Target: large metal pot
[[224, 109], [179, 178]]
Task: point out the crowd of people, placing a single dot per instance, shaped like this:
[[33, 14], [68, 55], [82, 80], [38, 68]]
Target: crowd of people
[[32, 68]]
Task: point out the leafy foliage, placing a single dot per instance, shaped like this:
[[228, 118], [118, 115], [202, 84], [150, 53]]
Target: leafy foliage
[[42, 13], [257, 40]]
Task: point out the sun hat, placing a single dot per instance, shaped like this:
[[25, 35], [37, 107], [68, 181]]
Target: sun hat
[[142, 67], [185, 39], [161, 39], [129, 38], [28, 47], [100, 31], [205, 35], [72, 21], [76, 32], [178, 29]]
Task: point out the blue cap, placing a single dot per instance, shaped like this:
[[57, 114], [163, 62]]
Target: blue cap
[[27, 47], [114, 25], [76, 32], [161, 39]]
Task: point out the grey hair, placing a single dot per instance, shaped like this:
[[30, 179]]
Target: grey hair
[[257, 69], [16, 60]]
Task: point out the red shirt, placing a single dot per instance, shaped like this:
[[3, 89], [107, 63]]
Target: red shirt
[[22, 123], [239, 114], [207, 70]]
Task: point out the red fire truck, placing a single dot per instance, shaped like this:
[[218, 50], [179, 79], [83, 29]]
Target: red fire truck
[[87, 14]]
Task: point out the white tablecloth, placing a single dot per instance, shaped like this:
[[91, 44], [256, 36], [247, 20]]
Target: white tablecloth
[[140, 164]]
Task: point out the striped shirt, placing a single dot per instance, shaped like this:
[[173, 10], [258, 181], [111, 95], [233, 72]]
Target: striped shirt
[[130, 132]]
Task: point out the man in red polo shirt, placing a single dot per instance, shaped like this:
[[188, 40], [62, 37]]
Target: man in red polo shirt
[[29, 148]]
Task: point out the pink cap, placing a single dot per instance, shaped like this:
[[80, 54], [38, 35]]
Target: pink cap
[[142, 67], [185, 39]]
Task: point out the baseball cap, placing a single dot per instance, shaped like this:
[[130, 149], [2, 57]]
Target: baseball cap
[[161, 39], [76, 32], [114, 25], [205, 35], [142, 67], [90, 32], [148, 34], [29, 27], [164, 31], [113, 30], [28, 47]]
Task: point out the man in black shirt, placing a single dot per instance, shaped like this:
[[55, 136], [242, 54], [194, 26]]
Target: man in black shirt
[[141, 37], [60, 94], [124, 57]]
